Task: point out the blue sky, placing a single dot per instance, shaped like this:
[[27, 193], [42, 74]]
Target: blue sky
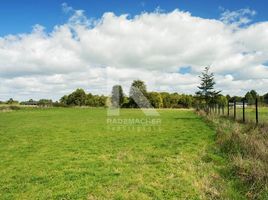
[[17, 16], [47, 51]]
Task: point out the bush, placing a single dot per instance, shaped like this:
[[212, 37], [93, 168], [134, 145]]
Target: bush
[[9, 108], [246, 147], [14, 107]]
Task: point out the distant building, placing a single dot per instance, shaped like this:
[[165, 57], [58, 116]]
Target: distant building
[[29, 103]]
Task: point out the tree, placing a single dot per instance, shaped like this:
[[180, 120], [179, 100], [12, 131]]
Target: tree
[[64, 100], [265, 97], [155, 99], [254, 94], [89, 100], [250, 99], [80, 98], [117, 98], [185, 101], [138, 95], [10, 101], [126, 102], [95, 100], [30, 102], [174, 100], [45, 102], [166, 99], [222, 100], [99, 101], [206, 89], [77, 98]]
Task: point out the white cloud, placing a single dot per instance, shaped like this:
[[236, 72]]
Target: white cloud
[[66, 8], [237, 18], [150, 46]]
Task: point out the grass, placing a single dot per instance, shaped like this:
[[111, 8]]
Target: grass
[[245, 146], [70, 153], [250, 114]]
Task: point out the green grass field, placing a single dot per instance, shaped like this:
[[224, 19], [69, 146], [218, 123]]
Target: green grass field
[[70, 153], [250, 114]]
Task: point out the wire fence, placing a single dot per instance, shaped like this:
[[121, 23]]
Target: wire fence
[[241, 111]]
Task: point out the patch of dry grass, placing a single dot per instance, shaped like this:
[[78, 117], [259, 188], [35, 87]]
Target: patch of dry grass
[[246, 146]]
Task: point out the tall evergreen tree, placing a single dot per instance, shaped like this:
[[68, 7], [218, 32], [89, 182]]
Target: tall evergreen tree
[[206, 91]]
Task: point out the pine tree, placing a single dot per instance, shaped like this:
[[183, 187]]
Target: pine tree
[[206, 89]]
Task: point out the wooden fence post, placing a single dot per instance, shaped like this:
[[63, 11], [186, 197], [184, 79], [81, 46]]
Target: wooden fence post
[[234, 109], [257, 113], [244, 119], [228, 108]]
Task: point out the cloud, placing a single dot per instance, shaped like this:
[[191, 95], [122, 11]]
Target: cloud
[[154, 47], [66, 8], [237, 18]]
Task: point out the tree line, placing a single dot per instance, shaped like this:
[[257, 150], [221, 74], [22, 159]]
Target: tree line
[[139, 97]]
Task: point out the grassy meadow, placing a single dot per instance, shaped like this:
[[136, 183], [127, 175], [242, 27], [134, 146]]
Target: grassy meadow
[[250, 114], [72, 153], [245, 146]]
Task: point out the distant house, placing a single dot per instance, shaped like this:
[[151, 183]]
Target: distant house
[[29, 103]]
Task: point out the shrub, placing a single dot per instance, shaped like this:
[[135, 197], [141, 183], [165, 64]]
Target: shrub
[[14, 107], [246, 147]]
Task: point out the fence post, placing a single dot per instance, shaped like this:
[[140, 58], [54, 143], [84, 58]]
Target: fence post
[[235, 109], [212, 108], [228, 108], [257, 113], [244, 111]]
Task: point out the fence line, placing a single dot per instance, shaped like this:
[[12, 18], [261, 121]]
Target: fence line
[[257, 112], [220, 110]]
